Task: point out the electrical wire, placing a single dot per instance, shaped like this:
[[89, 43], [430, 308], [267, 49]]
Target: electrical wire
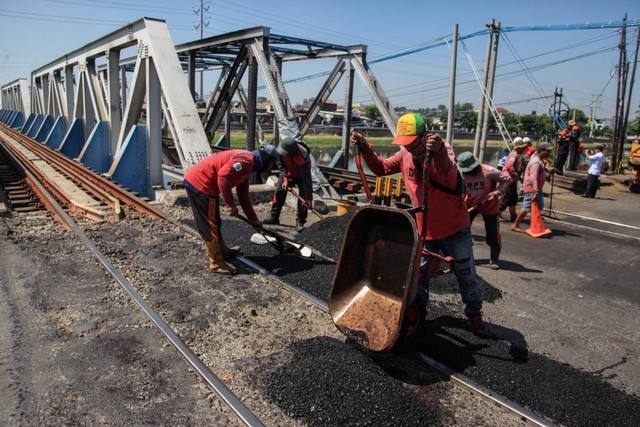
[[506, 137], [523, 66]]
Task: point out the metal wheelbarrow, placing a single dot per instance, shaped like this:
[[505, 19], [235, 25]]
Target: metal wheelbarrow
[[374, 298]]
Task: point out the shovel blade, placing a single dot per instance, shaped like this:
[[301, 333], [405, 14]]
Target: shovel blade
[[305, 252], [260, 239]]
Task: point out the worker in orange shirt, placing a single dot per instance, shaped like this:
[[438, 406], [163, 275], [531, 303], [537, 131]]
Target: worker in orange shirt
[[562, 150]]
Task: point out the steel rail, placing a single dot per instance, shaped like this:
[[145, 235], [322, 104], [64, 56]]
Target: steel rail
[[293, 289], [124, 196], [35, 184], [485, 393], [268, 274], [72, 171], [215, 383], [117, 191], [26, 144]]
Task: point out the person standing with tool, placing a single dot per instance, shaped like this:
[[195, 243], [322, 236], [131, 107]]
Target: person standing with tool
[[297, 164], [596, 160], [485, 187], [447, 224], [534, 178], [574, 145], [562, 150], [513, 166], [215, 175]]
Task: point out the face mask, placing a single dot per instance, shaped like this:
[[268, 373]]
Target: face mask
[[418, 149]]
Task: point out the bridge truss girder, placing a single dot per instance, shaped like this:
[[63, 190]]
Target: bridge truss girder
[[256, 49], [90, 84], [107, 89]]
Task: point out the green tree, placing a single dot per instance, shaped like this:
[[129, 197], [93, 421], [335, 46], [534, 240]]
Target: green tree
[[634, 127], [511, 121], [536, 125], [580, 117], [372, 112], [463, 115]]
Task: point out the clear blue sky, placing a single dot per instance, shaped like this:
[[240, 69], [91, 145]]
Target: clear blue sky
[[35, 32]]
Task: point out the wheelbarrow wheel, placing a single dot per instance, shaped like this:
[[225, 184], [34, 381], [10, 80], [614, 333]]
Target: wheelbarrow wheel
[[412, 325]]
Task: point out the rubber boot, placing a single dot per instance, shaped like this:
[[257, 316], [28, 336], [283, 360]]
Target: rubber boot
[[300, 224], [494, 257], [274, 219], [477, 324], [216, 261]]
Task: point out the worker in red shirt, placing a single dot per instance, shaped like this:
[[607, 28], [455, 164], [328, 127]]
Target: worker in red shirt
[[447, 220], [529, 150], [296, 160], [215, 175], [485, 187], [534, 178], [513, 167]]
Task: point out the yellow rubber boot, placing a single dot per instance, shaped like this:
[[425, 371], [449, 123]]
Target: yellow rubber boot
[[216, 261]]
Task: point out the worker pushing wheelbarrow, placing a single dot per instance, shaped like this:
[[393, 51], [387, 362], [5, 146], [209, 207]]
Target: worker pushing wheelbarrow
[[381, 286]]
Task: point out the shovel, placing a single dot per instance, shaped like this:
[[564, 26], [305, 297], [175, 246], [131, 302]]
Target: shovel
[[277, 240], [322, 207], [261, 239], [479, 204]]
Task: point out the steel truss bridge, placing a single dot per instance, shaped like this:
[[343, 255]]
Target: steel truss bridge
[[109, 103]]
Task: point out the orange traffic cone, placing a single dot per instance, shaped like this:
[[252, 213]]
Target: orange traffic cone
[[537, 228]]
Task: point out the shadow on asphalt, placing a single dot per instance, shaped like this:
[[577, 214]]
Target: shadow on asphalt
[[442, 333], [507, 266]]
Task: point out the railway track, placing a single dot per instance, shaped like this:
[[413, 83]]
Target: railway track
[[110, 202]]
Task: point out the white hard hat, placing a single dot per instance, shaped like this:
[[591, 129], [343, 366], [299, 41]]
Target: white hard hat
[[526, 139]]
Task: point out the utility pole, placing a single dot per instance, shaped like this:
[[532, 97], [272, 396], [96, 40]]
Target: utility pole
[[594, 113], [204, 22], [626, 114], [485, 77], [618, 134], [452, 91], [557, 110], [489, 98]]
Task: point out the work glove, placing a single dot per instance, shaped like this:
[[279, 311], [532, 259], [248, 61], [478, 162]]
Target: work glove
[[308, 204]]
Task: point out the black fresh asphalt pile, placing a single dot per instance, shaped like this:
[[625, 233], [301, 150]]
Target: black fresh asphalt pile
[[328, 379], [499, 360]]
